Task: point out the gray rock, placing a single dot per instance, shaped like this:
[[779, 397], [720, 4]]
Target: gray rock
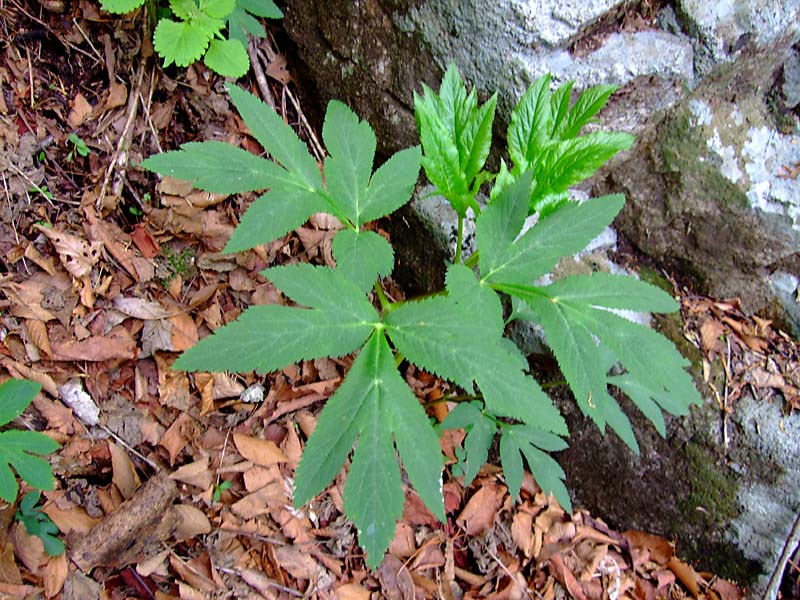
[[791, 79], [767, 506], [720, 29], [787, 290]]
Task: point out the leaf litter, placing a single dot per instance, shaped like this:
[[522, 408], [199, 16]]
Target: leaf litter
[[179, 486]]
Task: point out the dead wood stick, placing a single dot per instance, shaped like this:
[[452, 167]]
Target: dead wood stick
[[261, 77], [773, 587], [139, 525], [120, 157]]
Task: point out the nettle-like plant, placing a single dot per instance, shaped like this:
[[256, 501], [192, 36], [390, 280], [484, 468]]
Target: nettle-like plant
[[457, 334], [195, 32]]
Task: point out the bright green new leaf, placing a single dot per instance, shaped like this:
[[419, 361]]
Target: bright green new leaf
[[227, 57], [218, 9], [266, 338], [559, 107], [120, 6], [376, 406], [535, 253], [546, 471], [564, 164], [19, 449], [531, 124], [586, 106], [456, 137], [362, 256], [480, 433]]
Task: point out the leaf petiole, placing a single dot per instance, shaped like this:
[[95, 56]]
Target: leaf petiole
[[460, 239]]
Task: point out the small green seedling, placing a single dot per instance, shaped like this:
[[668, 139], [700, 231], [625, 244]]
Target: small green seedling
[[39, 524], [21, 449], [457, 334], [219, 488], [78, 145], [195, 32]]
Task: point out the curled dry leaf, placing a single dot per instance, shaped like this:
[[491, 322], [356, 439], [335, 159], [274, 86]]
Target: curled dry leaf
[[479, 513], [191, 522], [124, 473], [77, 255], [37, 330], [55, 574], [196, 473]]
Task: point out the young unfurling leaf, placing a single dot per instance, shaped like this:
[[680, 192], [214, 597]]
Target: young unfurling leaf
[[456, 137]]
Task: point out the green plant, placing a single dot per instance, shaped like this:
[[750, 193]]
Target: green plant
[[196, 31], [219, 488], [78, 145], [457, 334], [179, 263], [39, 524], [20, 448]]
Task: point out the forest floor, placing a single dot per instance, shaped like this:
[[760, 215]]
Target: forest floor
[[172, 485]]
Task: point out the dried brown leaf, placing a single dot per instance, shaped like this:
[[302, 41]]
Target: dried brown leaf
[[191, 522], [77, 255], [261, 452], [54, 576], [140, 308], [686, 574], [196, 473], [79, 111], [124, 473], [479, 513], [299, 564], [37, 330], [96, 348]]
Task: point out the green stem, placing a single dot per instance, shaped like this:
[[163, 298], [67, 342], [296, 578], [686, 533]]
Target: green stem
[[552, 384], [460, 239], [385, 303], [472, 261]]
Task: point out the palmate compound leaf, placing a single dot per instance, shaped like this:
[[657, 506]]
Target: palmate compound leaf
[[20, 448], [460, 338], [574, 314], [508, 259], [266, 338], [480, 433], [533, 445], [375, 406]]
